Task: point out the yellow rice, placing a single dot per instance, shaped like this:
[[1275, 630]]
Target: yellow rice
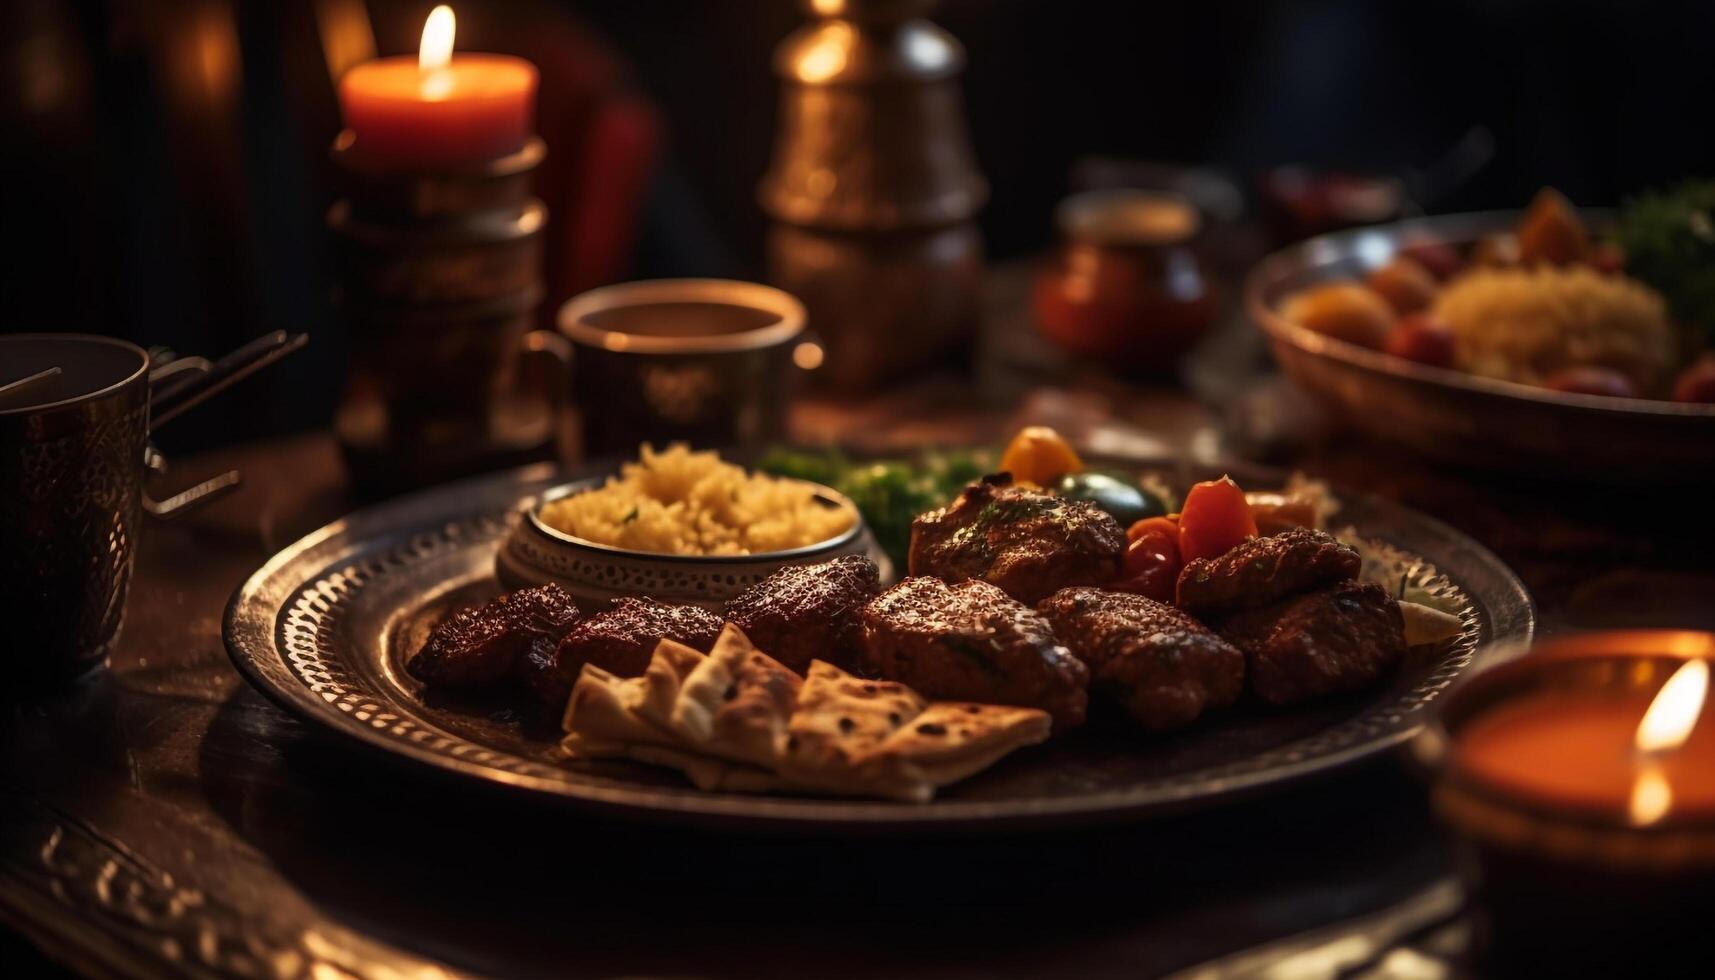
[[1524, 324], [692, 503]]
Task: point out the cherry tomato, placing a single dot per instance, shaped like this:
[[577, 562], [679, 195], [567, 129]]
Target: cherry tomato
[[1697, 382], [1422, 338], [1593, 380], [1151, 549], [1151, 566], [1039, 455], [1166, 525], [1215, 519]]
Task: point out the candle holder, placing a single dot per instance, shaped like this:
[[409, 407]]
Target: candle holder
[[439, 279], [1568, 890]]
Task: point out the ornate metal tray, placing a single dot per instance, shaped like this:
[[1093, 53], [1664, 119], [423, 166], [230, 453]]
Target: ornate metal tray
[[325, 627]]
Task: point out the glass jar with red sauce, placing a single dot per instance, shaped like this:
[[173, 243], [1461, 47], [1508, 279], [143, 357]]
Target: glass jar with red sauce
[[1125, 284]]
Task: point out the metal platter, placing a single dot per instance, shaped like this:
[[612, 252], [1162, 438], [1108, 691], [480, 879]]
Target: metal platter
[[325, 627]]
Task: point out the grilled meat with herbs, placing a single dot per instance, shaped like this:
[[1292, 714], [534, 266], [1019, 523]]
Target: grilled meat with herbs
[[1165, 668], [484, 645], [1338, 638], [619, 639], [809, 612], [1028, 543], [1264, 570], [972, 642]]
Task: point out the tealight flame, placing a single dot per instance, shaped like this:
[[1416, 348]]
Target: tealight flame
[[1667, 724], [435, 53], [437, 47], [1673, 713]]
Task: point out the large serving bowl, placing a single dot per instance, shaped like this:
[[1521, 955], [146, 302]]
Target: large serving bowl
[[1459, 417], [536, 554]]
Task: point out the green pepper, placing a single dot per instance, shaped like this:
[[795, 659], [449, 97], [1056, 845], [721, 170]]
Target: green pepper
[[1124, 500]]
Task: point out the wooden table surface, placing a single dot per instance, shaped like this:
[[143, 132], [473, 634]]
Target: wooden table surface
[[164, 819]]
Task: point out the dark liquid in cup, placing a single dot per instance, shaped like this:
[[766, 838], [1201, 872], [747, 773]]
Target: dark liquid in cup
[[84, 370], [686, 319]]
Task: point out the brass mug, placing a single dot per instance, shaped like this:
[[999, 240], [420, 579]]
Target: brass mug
[[711, 362], [74, 456]]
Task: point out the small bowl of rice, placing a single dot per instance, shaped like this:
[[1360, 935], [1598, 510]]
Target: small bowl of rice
[[677, 525]]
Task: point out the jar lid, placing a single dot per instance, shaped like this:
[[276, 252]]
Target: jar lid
[[1124, 216]]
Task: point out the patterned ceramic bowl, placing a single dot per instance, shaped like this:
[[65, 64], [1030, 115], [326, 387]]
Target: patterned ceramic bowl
[[536, 554]]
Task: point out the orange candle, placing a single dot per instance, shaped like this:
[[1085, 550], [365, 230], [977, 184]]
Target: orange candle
[[1580, 781], [1592, 751], [438, 109]]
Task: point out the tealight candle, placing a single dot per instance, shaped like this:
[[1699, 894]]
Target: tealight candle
[[1580, 782], [1591, 751], [438, 109]]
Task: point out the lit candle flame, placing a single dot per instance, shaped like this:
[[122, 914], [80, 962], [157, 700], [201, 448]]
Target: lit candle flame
[[436, 52], [1667, 724], [1673, 713], [437, 47]]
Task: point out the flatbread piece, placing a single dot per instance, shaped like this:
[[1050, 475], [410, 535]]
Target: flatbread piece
[[736, 703]]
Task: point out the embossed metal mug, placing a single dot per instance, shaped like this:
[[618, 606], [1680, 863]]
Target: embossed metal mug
[[74, 429], [707, 361]]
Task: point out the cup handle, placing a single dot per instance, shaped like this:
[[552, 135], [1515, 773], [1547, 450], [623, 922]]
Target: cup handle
[[185, 500], [176, 367], [557, 351], [186, 382]]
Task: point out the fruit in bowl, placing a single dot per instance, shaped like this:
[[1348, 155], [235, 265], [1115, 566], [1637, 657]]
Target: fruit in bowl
[[1548, 304]]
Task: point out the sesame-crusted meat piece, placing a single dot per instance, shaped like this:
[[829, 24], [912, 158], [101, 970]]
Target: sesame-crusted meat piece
[[972, 642]]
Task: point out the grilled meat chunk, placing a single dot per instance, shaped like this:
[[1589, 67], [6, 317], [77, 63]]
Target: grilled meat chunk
[[1028, 543], [971, 642], [620, 639], [1338, 638], [809, 612], [484, 645], [1162, 666], [1262, 571]]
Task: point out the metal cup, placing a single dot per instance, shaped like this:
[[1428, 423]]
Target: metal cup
[[705, 361], [73, 460]]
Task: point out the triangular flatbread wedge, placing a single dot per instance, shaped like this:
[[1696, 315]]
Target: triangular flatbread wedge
[[711, 774], [736, 702], [840, 721], [1425, 625], [669, 667], [951, 740], [579, 746], [703, 772], [612, 708], [602, 706], [741, 722]]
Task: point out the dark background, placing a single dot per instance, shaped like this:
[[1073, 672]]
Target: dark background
[[166, 167]]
